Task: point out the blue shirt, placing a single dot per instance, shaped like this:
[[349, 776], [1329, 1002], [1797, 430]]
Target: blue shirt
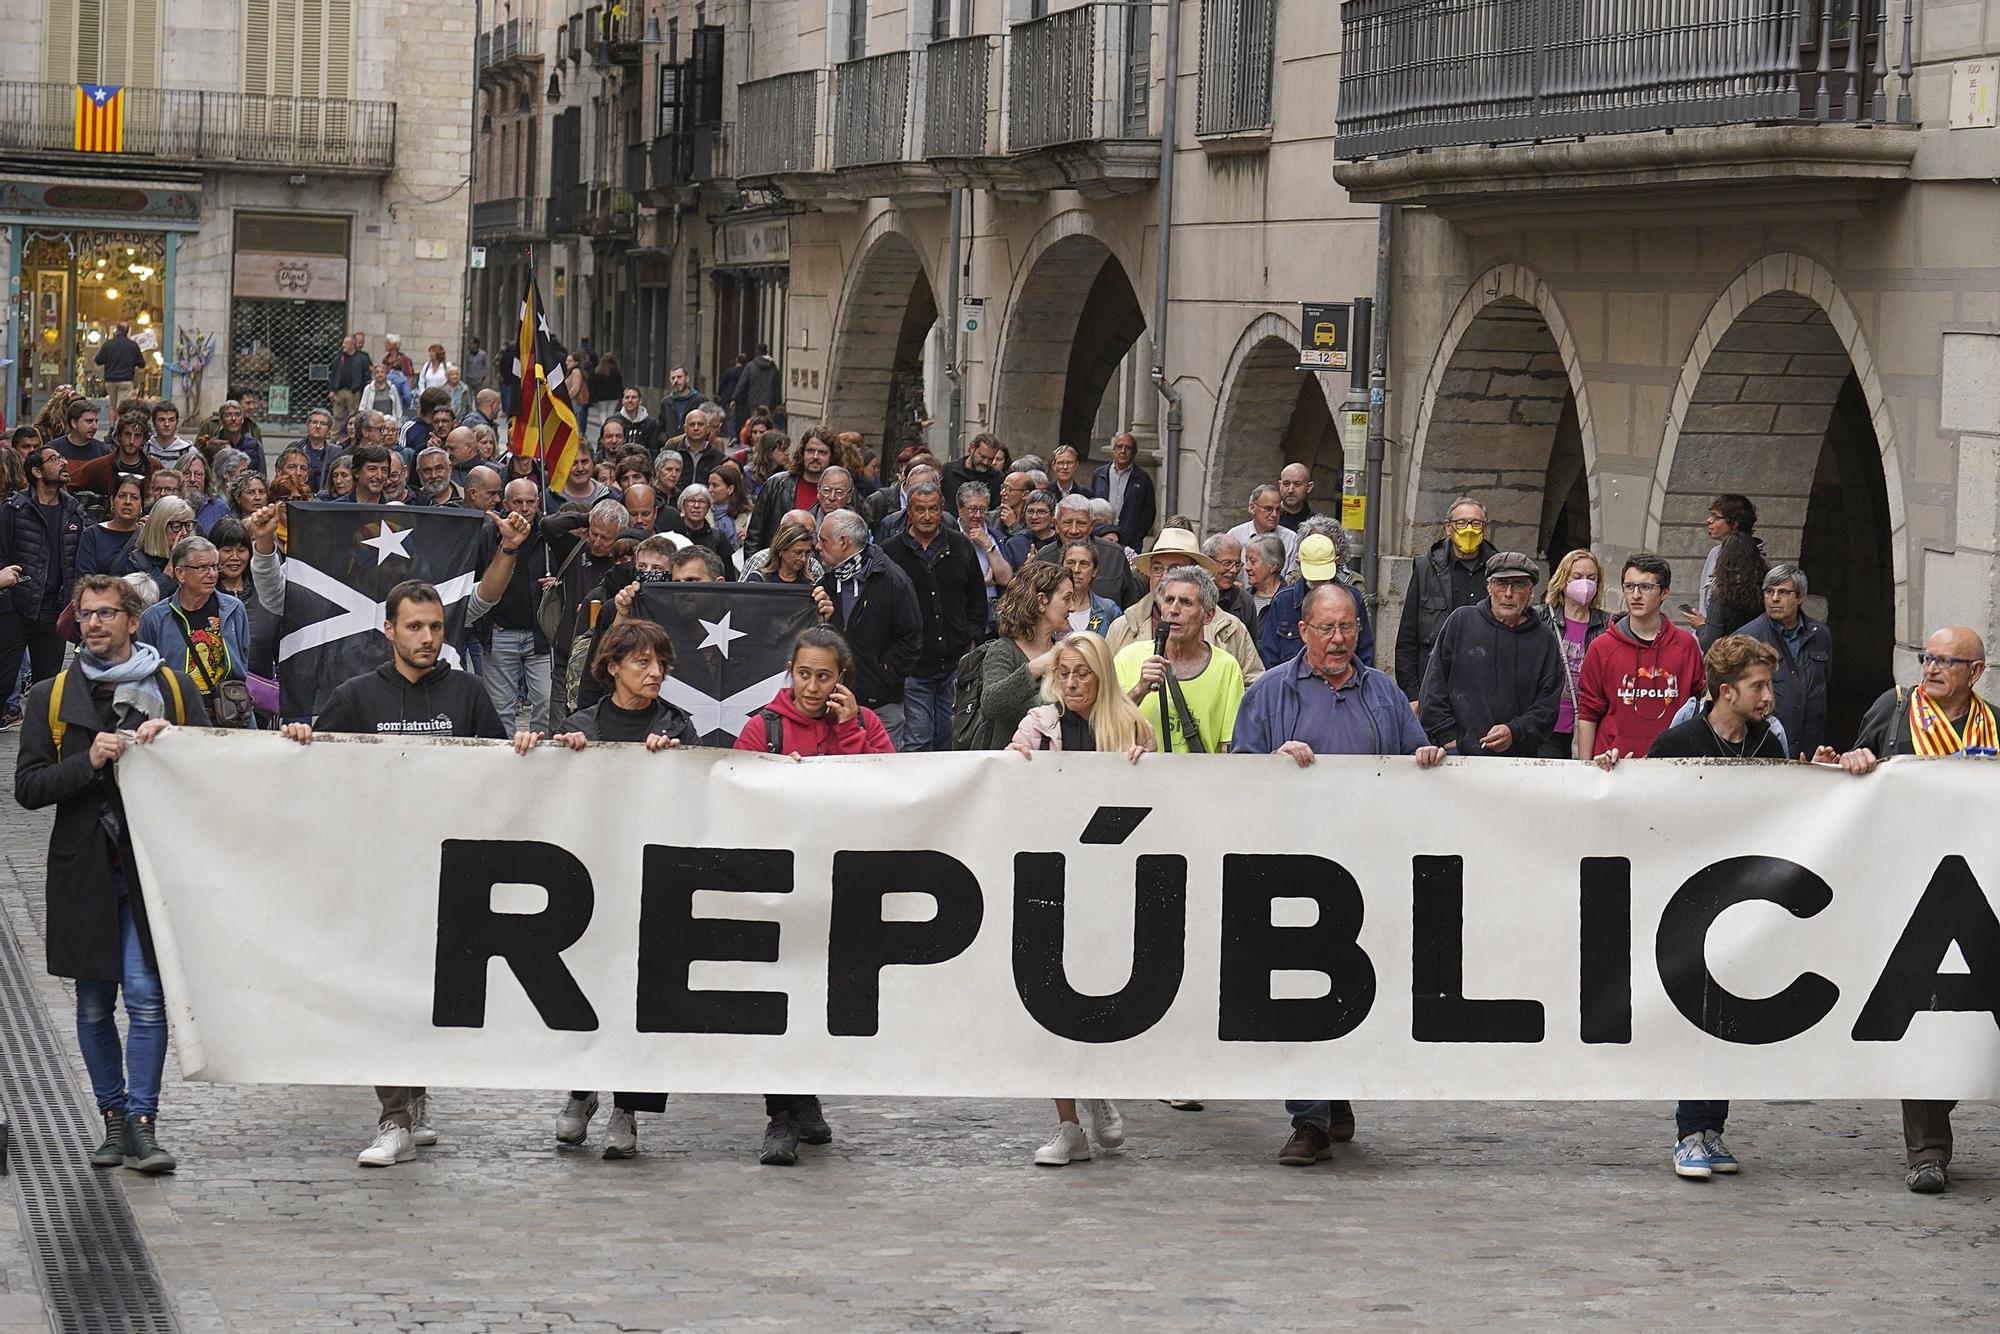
[[1332, 719]]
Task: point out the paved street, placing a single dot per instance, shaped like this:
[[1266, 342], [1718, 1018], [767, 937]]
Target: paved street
[[929, 1215]]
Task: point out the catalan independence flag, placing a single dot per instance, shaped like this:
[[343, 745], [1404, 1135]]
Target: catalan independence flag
[[545, 427], [100, 118]]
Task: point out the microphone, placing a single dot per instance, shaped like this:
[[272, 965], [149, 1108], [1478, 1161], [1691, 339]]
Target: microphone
[[1160, 640], [1166, 704]]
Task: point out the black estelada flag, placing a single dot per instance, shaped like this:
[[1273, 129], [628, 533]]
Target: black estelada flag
[[341, 560], [732, 647]]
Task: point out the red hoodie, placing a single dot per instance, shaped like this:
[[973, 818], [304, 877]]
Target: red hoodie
[[1631, 689], [818, 736]]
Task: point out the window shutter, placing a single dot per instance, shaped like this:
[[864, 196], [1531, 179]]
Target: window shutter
[[89, 41], [285, 55], [257, 47], [336, 57], [59, 43], [706, 106], [142, 44]]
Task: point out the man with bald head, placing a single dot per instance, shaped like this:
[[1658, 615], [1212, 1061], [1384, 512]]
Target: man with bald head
[[1295, 488], [461, 445], [1326, 701], [1941, 716], [482, 488], [642, 503]]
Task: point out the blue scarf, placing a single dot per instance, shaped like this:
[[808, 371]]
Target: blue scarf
[[133, 678]]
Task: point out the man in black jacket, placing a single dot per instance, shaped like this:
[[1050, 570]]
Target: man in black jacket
[[1805, 658], [875, 606], [1495, 678], [1451, 575], [41, 526], [981, 464], [121, 358], [519, 663], [1125, 484], [412, 694], [795, 489], [97, 931], [943, 567]]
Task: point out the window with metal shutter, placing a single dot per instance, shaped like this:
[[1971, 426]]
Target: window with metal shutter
[[59, 42], [298, 48], [102, 41]]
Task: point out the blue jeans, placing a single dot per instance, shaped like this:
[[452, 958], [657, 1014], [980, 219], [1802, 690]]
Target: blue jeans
[[125, 1080], [1692, 1118], [510, 664], [1317, 1112], [927, 702]]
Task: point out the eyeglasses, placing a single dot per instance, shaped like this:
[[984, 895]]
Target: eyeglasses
[[85, 615], [1480, 524], [1066, 674], [1338, 630], [180, 525], [1943, 660], [199, 569], [1642, 588]]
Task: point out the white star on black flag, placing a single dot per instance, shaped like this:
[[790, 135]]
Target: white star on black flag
[[732, 648]]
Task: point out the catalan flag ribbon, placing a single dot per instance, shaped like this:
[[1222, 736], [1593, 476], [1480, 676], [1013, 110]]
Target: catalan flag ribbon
[[545, 428], [100, 118]]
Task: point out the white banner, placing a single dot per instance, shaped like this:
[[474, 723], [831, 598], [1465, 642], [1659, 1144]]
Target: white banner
[[708, 921]]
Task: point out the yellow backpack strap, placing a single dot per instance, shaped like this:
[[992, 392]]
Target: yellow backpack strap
[[57, 727], [174, 689]]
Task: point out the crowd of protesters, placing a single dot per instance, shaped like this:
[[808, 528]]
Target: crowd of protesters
[[992, 601]]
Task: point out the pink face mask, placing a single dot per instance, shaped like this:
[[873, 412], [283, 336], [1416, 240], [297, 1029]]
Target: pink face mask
[[1581, 591]]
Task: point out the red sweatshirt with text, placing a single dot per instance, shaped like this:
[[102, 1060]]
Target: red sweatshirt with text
[[817, 736], [1631, 688]]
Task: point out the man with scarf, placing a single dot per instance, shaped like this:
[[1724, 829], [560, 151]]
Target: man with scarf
[[1942, 716], [875, 607], [117, 692]]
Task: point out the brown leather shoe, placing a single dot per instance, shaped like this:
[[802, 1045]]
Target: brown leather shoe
[[1342, 1129], [1308, 1145]]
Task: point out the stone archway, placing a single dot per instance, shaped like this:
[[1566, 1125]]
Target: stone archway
[[1272, 413], [1779, 401], [1073, 316], [1505, 418], [876, 373]]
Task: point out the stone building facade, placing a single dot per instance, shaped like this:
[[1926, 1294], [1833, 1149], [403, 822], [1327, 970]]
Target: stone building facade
[[289, 170]]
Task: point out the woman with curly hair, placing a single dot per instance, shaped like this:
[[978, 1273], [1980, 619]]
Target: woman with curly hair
[[1736, 598]]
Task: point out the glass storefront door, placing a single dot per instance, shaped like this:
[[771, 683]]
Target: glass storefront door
[[76, 286]]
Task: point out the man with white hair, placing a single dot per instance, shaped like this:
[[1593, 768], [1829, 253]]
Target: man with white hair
[[1264, 510], [875, 607], [1115, 580]]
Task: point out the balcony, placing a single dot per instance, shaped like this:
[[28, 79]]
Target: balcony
[[610, 212], [1583, 112], [505, 220], [680, 163], [960, 122], [613, 34], [507, 48], [877, 150], [568, 206], [783, 144], [1079, 101], [175, 126]]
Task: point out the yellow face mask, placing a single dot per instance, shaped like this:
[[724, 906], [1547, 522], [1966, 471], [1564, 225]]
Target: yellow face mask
[[1467, 539]]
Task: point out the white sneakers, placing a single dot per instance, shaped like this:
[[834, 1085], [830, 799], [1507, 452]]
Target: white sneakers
[[1070, 1145], [1107, 1127], [621, 1134], [1066, 1146], [393, 1144], [573, 1123], [420, 1122]]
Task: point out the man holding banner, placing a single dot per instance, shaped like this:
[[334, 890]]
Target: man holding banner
[[413, 694], [1326, 702], [1942, 716]]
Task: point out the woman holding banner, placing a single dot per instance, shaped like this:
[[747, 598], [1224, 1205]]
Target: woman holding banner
[[1083, 709]]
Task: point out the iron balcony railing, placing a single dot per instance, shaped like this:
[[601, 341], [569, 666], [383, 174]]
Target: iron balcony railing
[[958, 97], [225, 129], [511, 40], [503, 217], [780, 119], [684, 158], [568, 208], [1237, 44], [872, 100], [1080, 75], [1419, 74]]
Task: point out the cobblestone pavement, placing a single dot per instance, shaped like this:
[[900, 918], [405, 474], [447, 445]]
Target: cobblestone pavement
[[928, 1215]]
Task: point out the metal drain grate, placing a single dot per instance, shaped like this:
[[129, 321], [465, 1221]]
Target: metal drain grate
[[96, 1275]]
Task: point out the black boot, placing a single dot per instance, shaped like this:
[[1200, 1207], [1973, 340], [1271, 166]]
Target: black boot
[[813, 1128], [143, 1152], [112, 1151], [781, 1143]]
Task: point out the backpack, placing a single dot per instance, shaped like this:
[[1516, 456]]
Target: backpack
[[58, 729], [971, 729]]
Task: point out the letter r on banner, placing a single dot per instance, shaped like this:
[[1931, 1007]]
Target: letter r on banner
[[469, 932]]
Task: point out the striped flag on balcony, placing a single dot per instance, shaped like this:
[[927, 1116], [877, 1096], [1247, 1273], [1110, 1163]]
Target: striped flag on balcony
[[100, 118], [545, 427]]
